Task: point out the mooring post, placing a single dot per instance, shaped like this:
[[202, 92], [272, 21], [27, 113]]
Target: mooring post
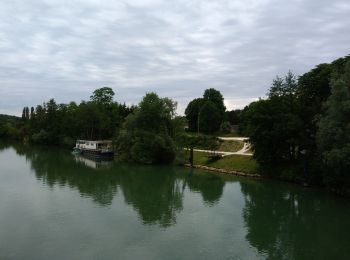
[[191, 156]]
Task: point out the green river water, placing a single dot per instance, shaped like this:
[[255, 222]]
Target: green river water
[[54, 205]]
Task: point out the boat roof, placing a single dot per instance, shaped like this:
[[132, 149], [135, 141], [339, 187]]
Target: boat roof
[[96, 141]]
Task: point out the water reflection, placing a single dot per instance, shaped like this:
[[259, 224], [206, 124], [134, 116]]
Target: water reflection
[[156, 193], [94, 163], [257, 219], [211, 187], [286, 222]]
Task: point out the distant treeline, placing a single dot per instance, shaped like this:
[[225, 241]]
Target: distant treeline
[[143, 133]]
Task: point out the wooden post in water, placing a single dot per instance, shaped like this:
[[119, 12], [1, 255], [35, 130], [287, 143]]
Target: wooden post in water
[[191, 156]]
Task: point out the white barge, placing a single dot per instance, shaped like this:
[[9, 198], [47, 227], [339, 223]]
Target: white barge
[[99, 148]]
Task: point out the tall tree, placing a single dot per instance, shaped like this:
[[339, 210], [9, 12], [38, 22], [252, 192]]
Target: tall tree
[[216, 97], [24, 113], [192, 112], [103, 95], [27, 113], [146, 137], [31, 112], [274, 124], [209, 118], [334, 134]]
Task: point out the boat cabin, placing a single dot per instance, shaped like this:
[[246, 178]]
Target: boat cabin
[[99, 145]]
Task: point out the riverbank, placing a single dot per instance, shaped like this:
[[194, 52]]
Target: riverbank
[[239, 163], [224, 171]]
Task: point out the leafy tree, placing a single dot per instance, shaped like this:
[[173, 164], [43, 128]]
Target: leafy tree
[[198, 108], [274, 124], [216, 97], [10, 127], [225, 127], [286, 86], [233, 116], [43, 137], [145, 137], [217, 100], [103, 95], [192, 112], [24, 113], [27, 113], [31, 112], [209, 118], [334, 134]]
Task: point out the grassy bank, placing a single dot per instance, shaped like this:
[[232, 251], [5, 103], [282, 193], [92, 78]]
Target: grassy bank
[[230, 146], [233, 162]]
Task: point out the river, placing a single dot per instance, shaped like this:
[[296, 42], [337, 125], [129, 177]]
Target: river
[[54, 205]]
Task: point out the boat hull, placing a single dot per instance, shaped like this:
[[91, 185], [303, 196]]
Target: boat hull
[[97, 153]]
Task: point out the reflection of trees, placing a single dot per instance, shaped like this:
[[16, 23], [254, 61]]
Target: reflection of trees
[[4, 145], [288, 223], [209, 185], [156, 193], [57, 167]]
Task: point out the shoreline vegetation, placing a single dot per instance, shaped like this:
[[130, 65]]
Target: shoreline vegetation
[[300, 132], [223, 171]]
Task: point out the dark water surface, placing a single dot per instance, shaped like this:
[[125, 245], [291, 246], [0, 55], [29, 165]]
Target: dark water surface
[[54, 205]]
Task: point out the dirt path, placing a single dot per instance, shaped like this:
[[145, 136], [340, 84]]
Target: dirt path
[[243, 151]]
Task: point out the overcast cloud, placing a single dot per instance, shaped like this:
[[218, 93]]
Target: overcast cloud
[[66, 49]]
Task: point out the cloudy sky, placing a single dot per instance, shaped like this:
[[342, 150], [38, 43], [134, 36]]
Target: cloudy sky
[[67, 48]]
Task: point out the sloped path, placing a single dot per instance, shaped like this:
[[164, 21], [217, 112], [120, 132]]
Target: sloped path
[[243, 151]]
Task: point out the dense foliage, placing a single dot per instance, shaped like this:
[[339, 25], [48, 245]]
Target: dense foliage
[[62, 124], [147, 133], [9, 127], [301, 131], [205, 115]]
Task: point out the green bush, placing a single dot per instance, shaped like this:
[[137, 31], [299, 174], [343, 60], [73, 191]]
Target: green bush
[[150, 148], [42, 137], [225, 127], [68, 142]]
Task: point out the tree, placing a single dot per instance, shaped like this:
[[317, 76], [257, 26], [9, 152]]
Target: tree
[[192, 112], [24, 113], [233, 116], [32, 114], [225, 127], [27, 113], [145, 136], [209, 119], [286, 86], [103, 95], [217, 100], [334, 134], [274, 124], [216, 97]]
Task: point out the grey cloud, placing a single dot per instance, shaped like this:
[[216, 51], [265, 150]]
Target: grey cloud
[[178, 48]]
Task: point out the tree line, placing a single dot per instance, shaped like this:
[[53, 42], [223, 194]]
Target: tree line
[[300, 131]]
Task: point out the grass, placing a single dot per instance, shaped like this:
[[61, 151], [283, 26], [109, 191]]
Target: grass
[[233, 134], [233, 162], [231, 146], [225, 146]]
